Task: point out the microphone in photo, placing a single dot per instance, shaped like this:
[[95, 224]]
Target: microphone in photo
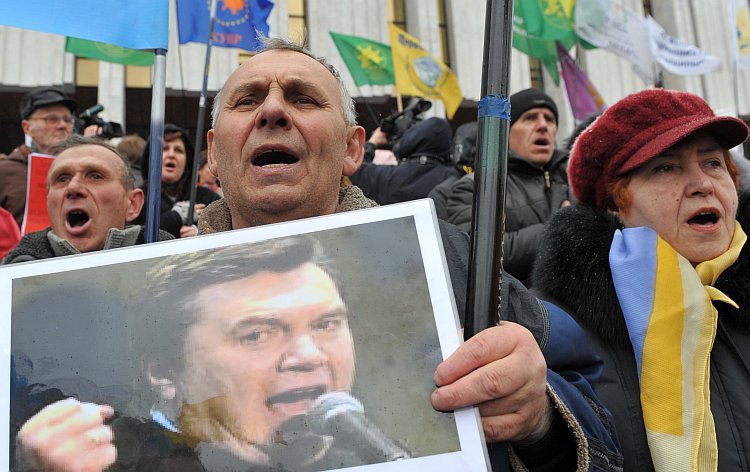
[[342, 416]]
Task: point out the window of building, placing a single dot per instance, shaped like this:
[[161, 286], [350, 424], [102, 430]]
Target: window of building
[[296, 22], [397, 13], [443, 25]]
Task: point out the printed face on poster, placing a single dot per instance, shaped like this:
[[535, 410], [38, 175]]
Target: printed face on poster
[[308, 345]]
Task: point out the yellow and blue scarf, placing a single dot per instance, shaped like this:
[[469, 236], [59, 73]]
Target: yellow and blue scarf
[[671, 320]]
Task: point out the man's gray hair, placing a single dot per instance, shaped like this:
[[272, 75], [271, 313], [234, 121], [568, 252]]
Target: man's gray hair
[[271, 44], [76, 140]]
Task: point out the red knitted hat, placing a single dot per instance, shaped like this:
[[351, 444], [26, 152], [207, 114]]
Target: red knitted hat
[[637, 129]]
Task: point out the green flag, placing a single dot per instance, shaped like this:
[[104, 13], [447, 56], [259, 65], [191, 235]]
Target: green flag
[[532, 46], [368, 61], [549, 20], [108, 52]]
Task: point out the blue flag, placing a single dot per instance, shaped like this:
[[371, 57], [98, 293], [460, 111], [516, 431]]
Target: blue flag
[[134, 24], [236, 22]]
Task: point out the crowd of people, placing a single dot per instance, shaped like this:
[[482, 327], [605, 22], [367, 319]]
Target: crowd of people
[[625, 343]]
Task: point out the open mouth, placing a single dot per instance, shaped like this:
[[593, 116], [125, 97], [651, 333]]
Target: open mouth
[[170, 165], [542, 142], [274, 159], [296, 395], [704, 218], [77, 218]]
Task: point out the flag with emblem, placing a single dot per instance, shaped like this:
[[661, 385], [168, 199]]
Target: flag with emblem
[[238, 23], [108, 52], [369, 62], [418, 73]]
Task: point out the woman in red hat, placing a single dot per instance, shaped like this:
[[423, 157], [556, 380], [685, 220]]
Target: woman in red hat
[[653, 263]]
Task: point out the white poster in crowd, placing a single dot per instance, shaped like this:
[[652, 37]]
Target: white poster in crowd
[[611, 26], [679, 57], [739, 22]]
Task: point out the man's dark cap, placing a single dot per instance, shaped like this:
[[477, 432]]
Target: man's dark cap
[[525, 100], [42, 97]]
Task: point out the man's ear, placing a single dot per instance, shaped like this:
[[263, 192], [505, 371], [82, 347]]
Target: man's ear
[[26, 126], [355, 150], [213, 165], [135, 203]]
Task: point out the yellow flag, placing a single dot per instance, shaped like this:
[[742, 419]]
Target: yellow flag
[[418, 73]]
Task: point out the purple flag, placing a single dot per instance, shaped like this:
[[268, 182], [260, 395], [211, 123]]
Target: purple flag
[[583, 96]]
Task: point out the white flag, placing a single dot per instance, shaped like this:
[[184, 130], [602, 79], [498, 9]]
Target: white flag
[[739, 22], [611, 26], [679, 57]]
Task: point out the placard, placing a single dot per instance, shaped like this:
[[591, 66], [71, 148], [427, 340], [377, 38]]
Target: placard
[[308, 345]]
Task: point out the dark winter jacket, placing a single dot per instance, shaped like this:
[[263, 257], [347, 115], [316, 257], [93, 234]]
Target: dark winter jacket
[[424, 162], [585, 435], [573, 270], [13, 182], [532, 194]]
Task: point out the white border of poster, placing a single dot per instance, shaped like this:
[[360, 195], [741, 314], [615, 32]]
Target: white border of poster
[[472, 455]]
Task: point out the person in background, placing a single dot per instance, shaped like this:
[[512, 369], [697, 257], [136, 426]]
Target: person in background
[[653, 262], [10, 234], [424, 154], [132, 146], [47, 120], [176, 176], [537, 183], [205, 177], [464, 152]]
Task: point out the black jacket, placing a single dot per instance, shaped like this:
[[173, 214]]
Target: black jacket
[[424, 155], [573, 271], [169, 220], [532, 194]]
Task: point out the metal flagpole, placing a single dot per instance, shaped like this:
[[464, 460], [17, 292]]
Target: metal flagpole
[[201, 117], [488, 214], [153, 198]]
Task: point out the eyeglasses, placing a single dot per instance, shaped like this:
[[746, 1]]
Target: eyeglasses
[[52, 120]]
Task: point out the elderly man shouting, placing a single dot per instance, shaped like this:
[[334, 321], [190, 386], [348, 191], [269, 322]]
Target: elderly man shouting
[[284, 134]]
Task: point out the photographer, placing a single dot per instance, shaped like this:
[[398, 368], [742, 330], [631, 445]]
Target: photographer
[[424, 153]]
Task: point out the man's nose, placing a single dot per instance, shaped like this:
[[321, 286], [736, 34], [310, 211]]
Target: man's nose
[[273, 113], [303, 354], [541, 122], [75, 187]]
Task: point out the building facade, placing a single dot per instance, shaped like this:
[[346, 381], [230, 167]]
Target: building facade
[[452, 30]]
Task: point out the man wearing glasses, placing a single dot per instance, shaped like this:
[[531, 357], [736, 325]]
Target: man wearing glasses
[[46, 119]]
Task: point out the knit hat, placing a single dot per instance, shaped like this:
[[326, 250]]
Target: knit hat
[[43, 97], [637, 129], [527, 99]]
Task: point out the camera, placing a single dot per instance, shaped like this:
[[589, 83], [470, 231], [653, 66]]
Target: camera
[[396, 124], [88, 117]]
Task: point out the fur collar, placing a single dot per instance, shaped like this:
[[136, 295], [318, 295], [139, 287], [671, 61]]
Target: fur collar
[[572, 270], [216, 216]]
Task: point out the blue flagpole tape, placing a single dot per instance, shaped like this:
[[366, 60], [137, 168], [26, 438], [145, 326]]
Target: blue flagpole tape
[[496, 106]]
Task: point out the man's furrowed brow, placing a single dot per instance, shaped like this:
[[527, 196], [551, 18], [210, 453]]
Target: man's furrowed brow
[[247, 87]]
